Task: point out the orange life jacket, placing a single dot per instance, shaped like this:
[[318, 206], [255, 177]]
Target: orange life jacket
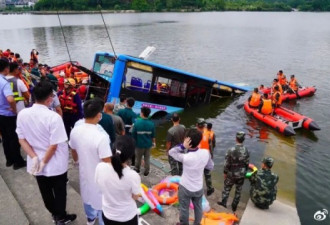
[[67, 102], [282, 79], [206, 139], [68, 71], [255, 99], [267, 107], [293, 84], [279, 87], [279, 102]]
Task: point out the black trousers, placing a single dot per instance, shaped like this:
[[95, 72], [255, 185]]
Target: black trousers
[[130, 135], [53, 192], [133, 221], [11, 146], [69, 120]]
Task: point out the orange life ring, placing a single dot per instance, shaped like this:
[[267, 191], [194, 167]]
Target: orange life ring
[[166, 200]]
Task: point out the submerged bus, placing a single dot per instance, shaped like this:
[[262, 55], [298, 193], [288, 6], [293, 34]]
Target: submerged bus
[[163, 89]]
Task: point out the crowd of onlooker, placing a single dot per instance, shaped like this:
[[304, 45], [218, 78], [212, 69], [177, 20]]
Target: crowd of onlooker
[[108, 142]]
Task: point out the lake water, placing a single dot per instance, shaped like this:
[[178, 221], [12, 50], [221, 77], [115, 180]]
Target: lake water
[[239, 47]]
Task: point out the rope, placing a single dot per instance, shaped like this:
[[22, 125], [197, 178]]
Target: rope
[[106, 28], [67, 48]]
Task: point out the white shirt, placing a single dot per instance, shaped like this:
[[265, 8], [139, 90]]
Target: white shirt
[[41, 128], [193, 163], [82, 121], [92, 145], [55, 103], [117, 201], [21, 88]]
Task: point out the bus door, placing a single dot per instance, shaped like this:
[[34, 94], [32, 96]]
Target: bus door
[[197, 93]]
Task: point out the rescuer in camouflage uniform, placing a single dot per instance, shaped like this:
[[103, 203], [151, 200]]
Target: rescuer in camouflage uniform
[[263, 185], [235, 168]]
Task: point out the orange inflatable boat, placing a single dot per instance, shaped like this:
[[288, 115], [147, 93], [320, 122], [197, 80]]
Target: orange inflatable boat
[[63, 66], [78, 75], [302, 92], [283, 120]]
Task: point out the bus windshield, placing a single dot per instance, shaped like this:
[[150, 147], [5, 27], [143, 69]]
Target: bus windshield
[[104, 65]]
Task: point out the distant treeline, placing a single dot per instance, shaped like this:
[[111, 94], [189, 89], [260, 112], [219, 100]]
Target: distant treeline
[[187, 5]]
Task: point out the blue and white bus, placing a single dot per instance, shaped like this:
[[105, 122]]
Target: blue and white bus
[[163, 89]]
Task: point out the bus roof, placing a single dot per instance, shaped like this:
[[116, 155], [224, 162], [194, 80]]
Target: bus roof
[[131, 58]]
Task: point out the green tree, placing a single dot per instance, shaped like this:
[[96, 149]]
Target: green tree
[[321, 5], [80, 4], [159, 5], [141, 5], [68, 4], [215, 4], [173, 4]]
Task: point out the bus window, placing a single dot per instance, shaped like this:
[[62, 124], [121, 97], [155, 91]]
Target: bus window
[[178, 89], [138, 77], [104, 65], [170, 87]]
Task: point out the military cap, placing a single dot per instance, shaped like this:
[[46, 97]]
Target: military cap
[[201, 121], [268, 161], [240, 135]]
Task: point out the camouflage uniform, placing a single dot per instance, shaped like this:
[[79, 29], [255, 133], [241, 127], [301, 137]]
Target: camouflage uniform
[[236, 165], [208, 180], [263, 188], [176, 167]]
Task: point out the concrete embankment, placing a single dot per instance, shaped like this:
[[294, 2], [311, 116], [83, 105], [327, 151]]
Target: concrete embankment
[[171, 212], [279, 213], [283, 211], [9, 207], [23, 202], [25, 205]]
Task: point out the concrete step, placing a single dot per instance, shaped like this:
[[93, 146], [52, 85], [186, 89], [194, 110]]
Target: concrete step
[[24, 189], [9, 207], [278, 213]]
